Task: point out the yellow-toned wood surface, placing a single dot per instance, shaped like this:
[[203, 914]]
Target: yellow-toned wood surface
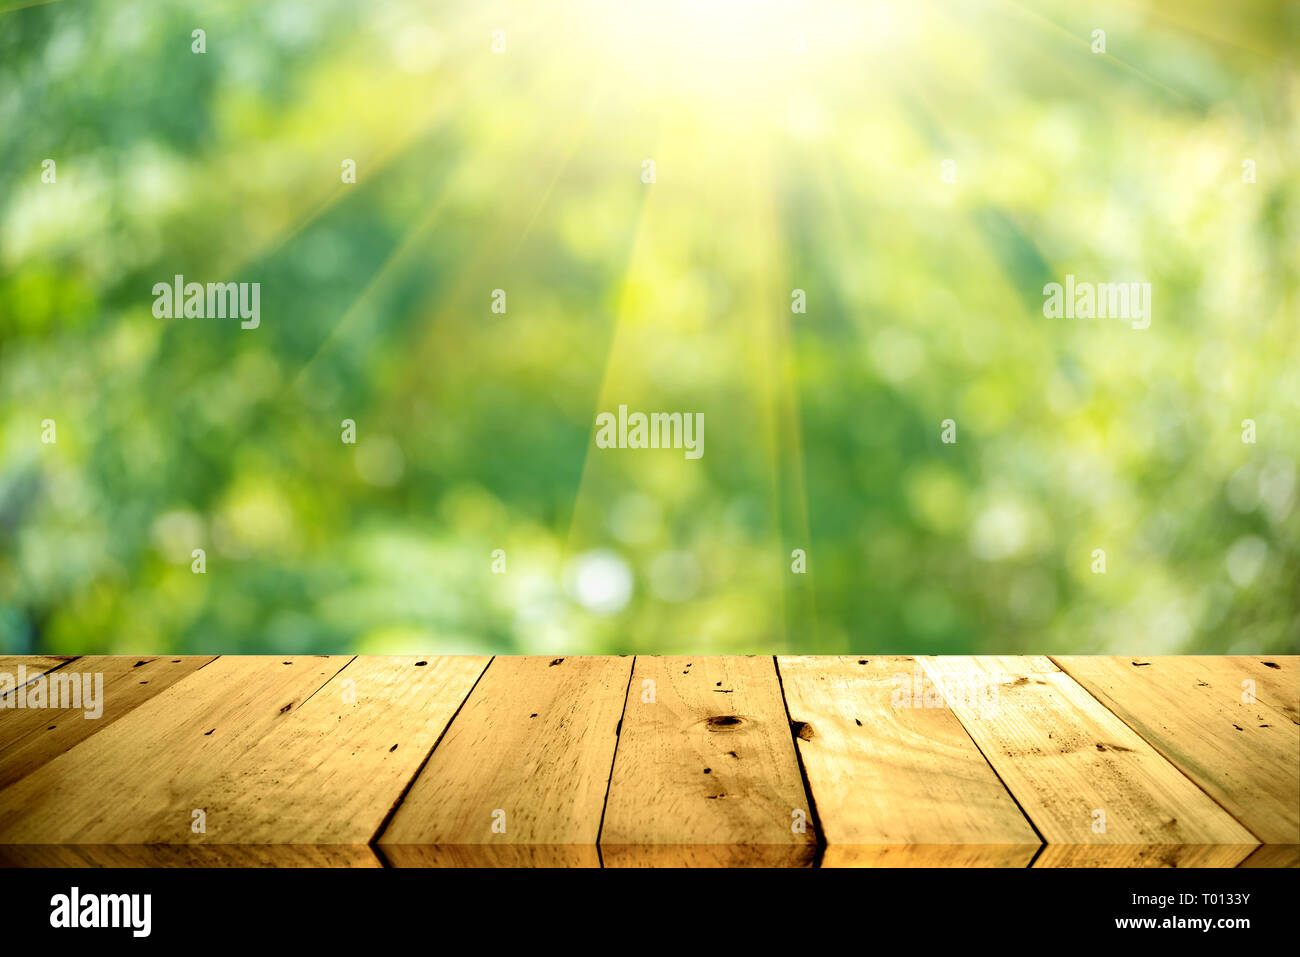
[[453, 761], [706, 769], [33, 665], [520, 778], [1083, 776], [891, 768], [1203, 714], [131, 782], [30, 737], [1277, 679], [189, 855], [332, 769]]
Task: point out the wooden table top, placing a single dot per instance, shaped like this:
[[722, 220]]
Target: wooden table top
[[632, 761]]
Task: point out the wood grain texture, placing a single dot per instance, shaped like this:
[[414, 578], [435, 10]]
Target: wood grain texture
[[332, 769], [1277, 681], [188, 855], [1274, 855], [535, 743], [657, 762], [709, 855], [131, 782], [896, 779], [1182, 856], [489, 855], [33, 666], [31, 737], [929, 855], [706, 771], [1243, 753], [1066, 758]]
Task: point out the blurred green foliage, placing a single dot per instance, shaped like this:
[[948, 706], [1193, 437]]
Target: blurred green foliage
[[775, 170]]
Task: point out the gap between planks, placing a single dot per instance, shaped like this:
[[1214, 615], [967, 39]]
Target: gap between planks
[[819, 854], [806, 782], [388, 818], [1150, 810], [618, 736], [1243, 775]]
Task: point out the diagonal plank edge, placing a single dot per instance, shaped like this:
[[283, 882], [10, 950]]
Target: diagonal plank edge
[[1203, 715], [1082, 775], [795, 734], [618, 735], [645, 761], [401, 796], [110, 685], [330, 771], [33, 666], [133, 782], [895, 777], [522, 772], [706, 771]]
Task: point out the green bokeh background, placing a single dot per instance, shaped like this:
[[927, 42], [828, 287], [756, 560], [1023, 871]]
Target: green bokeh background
[[775, 171]]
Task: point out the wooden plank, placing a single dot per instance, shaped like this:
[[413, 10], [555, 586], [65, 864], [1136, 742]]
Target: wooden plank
[[187, 855], [1183, 856], [489, 855], [706, 772], [31, 737], [1080, 773], [131, 783], [32, 667], [530, 751], [334, 768], [1277, 681], [895, 778], [1243, 753], [326, 741], [1274, 855], [289, 772]]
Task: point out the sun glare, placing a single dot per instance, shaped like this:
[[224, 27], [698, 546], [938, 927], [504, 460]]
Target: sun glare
[[704, 47]]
